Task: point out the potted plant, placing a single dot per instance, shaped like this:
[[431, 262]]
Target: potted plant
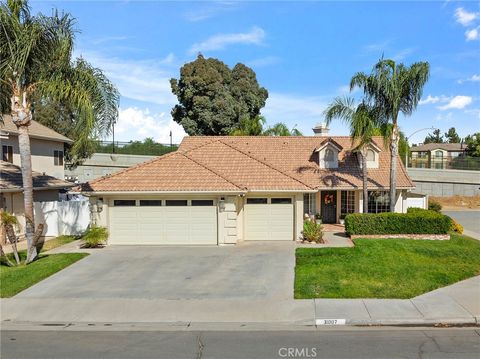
[[342, 218], [318, 218]]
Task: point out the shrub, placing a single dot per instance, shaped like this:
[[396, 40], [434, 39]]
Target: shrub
[[456, 227], [312, 231], [434, 206], [95, 237], [417, 221]]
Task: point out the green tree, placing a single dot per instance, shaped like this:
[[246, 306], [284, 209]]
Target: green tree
[[250, 127], [214, 99], [452, 136], [363, 121], [281, 129], [436, 137], [472, 143], [393, 88], [146, 147], [36, 63]]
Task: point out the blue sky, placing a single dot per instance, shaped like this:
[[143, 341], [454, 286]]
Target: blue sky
[[304, 53]]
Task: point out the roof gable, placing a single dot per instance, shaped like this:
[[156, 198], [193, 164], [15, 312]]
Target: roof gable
[[35, 130]]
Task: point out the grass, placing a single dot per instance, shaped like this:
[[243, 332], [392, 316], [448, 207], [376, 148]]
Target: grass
[[385, 268], [15, 279]]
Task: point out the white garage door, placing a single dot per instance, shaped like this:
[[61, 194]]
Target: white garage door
[[163, 222], [269, 219]]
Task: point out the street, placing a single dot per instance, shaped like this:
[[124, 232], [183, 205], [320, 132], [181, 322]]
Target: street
[[322, 343], [469, 219]]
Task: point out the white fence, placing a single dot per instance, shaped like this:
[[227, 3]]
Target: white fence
[[62, 218]]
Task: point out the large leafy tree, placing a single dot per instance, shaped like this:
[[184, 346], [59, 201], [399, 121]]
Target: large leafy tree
[[363, 121], [36, 67], [214, 99], [473, 145], [395, 89], [452, 136], [435, 137]]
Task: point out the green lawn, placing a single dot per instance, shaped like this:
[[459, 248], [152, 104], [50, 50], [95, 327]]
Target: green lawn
[[385, 268], [15, 279]]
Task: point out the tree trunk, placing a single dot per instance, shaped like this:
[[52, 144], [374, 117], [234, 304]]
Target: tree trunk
[[26, 164], [393, 165], [12, 237], [365, 180]]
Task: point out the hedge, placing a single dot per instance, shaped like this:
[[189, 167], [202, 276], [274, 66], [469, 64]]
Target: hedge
[[414, 222]]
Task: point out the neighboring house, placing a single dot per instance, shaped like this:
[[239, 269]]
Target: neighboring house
[[435, 155], [220, 190], [47, 149]]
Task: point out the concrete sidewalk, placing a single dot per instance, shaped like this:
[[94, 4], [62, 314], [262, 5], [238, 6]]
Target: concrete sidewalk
[[455, 304]]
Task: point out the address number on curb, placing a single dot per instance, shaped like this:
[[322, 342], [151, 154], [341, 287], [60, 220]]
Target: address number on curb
[[330, 321]]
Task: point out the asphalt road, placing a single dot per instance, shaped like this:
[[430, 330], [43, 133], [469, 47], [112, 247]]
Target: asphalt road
[[470, 220], [349, 343]]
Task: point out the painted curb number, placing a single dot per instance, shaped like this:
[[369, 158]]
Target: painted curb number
[[330, 321]]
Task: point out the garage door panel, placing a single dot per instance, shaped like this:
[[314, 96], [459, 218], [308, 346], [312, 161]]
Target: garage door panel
[[164, 225], [264, 222]]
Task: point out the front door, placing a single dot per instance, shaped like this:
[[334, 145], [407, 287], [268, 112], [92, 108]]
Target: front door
[[329, 206]]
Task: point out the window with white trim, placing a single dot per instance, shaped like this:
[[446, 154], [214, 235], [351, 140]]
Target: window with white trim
[[347, 202], [309, 205], [378, 201], [58, 158], [7, 153]]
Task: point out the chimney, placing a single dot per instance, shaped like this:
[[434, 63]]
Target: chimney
[[321, 129]]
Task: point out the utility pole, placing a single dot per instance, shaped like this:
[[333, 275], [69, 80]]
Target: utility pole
[[171, 143]]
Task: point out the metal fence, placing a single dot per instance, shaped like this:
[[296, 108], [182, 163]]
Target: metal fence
[[446, 163], [135, 148]]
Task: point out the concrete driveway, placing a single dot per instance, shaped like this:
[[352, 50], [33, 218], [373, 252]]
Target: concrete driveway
[[249, 270], [469, 219]]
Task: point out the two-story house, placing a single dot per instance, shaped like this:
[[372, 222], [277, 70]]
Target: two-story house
[[435, 155], [47, 149]]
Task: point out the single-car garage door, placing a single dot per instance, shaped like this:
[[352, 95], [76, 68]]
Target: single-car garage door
[[170, 221], [269, 219]]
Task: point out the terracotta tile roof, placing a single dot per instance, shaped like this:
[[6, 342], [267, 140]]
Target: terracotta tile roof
[[36, 130], [229, 163], [443, 146], [11, 179]]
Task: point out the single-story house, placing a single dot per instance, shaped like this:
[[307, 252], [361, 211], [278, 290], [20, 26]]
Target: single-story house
[[225, 189]]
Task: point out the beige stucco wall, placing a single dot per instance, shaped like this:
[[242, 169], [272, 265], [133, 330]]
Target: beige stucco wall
[[42, 155]]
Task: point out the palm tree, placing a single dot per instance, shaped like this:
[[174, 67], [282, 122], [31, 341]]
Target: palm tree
[[250, 127], [281, 129], [363, 121], [36, 62], [393, 88]]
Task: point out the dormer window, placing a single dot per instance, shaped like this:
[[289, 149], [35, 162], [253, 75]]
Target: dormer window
[[370, 155], [373, 154], [328, 154]]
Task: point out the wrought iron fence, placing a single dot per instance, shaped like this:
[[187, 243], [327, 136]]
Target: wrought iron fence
[[446, 163]]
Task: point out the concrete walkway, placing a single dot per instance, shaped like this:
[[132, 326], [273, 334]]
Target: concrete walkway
[[455, 304]]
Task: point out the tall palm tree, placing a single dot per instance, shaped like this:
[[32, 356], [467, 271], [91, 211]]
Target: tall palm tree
[[393, 88], [36, 62], [281, 129], [363, 121]]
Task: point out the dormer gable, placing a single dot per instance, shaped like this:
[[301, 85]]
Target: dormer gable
[[373, 154], [328, 153]]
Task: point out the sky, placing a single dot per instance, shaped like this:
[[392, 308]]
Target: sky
[[304, 54]]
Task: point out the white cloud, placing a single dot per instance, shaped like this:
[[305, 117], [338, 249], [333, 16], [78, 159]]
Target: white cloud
[[219, 42], [137, 124], [473, 78], [210, 10], [457, 102], [472, 34], [105, 39], [464, 17], [402, 54], [142, 80], [429, 100]]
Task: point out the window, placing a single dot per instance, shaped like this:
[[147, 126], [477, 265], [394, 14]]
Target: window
[[378, 201], [7, 153], [281, 200], [347, 202], [150, 202], [176, 202], [124, 202], [309, 206], [328, 156], [202, 202], [438, 154], [256, 201], [58, 158], [370, 155]]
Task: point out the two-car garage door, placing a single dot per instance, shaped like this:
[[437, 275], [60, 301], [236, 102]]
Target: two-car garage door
[[163, 222], [269, 219]]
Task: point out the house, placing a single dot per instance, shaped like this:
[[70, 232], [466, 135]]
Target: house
[[226, 189], [435, 155], [47, 149]]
